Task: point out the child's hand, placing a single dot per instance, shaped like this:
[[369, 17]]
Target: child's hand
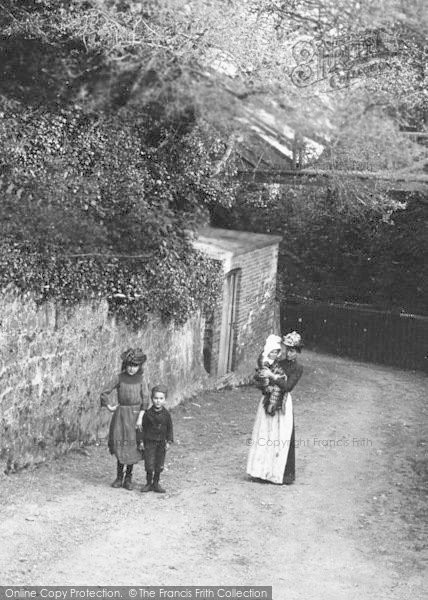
[[141, 446], [267, 373], [139, 426]]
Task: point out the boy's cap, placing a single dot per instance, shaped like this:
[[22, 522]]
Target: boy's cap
[[161, 389]]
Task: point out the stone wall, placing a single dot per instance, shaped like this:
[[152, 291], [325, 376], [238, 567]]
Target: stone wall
[[54, 361]]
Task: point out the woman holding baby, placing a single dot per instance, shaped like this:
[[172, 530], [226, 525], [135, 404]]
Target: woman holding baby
[[272, 452]]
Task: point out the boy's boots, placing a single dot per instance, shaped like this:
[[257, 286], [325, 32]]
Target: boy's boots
[[127, 484], [117, 483], [156, 487], [148, 487]]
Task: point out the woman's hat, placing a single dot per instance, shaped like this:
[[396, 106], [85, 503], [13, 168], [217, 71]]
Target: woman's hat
[[293, 340], [133, 356]]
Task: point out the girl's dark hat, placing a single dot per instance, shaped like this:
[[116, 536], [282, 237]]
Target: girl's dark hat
[[133, 356]]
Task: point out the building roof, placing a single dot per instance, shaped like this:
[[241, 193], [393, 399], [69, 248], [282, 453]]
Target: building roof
[[280, 138], [220, 243]]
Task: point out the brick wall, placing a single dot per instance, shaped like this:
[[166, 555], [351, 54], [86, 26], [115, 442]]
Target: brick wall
[[257, 314], [54, 362]]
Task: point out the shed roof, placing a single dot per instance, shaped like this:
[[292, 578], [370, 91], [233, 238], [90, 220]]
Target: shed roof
[[221, 242]]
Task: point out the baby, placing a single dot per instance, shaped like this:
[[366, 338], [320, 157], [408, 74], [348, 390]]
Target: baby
[[268, 366]]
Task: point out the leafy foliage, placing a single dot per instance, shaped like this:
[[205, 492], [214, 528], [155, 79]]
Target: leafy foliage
[[87, 213], [103, 203], [333, 255]]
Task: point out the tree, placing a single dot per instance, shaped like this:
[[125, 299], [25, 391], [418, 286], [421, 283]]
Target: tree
[[120, 116], [334, 255], [99, 197]]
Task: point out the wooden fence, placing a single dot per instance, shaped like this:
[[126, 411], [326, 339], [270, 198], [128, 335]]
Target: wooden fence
[[362, 333]]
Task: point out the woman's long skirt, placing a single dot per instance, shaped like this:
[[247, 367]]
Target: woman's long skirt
[[272, 453], [122, 440]]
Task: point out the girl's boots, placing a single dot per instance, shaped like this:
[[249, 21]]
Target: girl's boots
[[117, 483], [127, 484]]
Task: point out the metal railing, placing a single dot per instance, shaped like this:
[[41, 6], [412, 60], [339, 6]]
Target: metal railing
[[360, 332]]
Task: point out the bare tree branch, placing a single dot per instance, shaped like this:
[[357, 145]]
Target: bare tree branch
[[229, 149]]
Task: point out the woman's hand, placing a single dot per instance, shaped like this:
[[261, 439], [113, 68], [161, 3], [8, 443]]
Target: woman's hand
[[278, 377], [111, 408], [273, 377]]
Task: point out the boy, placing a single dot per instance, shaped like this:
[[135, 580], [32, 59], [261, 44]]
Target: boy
[[157, 436]]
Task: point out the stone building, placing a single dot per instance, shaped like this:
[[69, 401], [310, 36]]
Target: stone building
[[236, 328]]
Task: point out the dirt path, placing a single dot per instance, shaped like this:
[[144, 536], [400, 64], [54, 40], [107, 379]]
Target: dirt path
[[352, 526]]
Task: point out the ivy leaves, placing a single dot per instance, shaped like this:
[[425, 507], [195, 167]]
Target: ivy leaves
[[89, 213]]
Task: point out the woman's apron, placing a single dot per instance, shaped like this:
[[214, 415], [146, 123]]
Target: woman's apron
[[271, 442]]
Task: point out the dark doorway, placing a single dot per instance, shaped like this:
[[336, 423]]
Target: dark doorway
[[231, 324]]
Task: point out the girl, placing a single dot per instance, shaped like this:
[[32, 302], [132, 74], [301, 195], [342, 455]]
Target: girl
[[272, 453], [127, 415]]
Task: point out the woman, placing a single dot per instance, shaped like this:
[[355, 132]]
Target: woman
[[272, 452]]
